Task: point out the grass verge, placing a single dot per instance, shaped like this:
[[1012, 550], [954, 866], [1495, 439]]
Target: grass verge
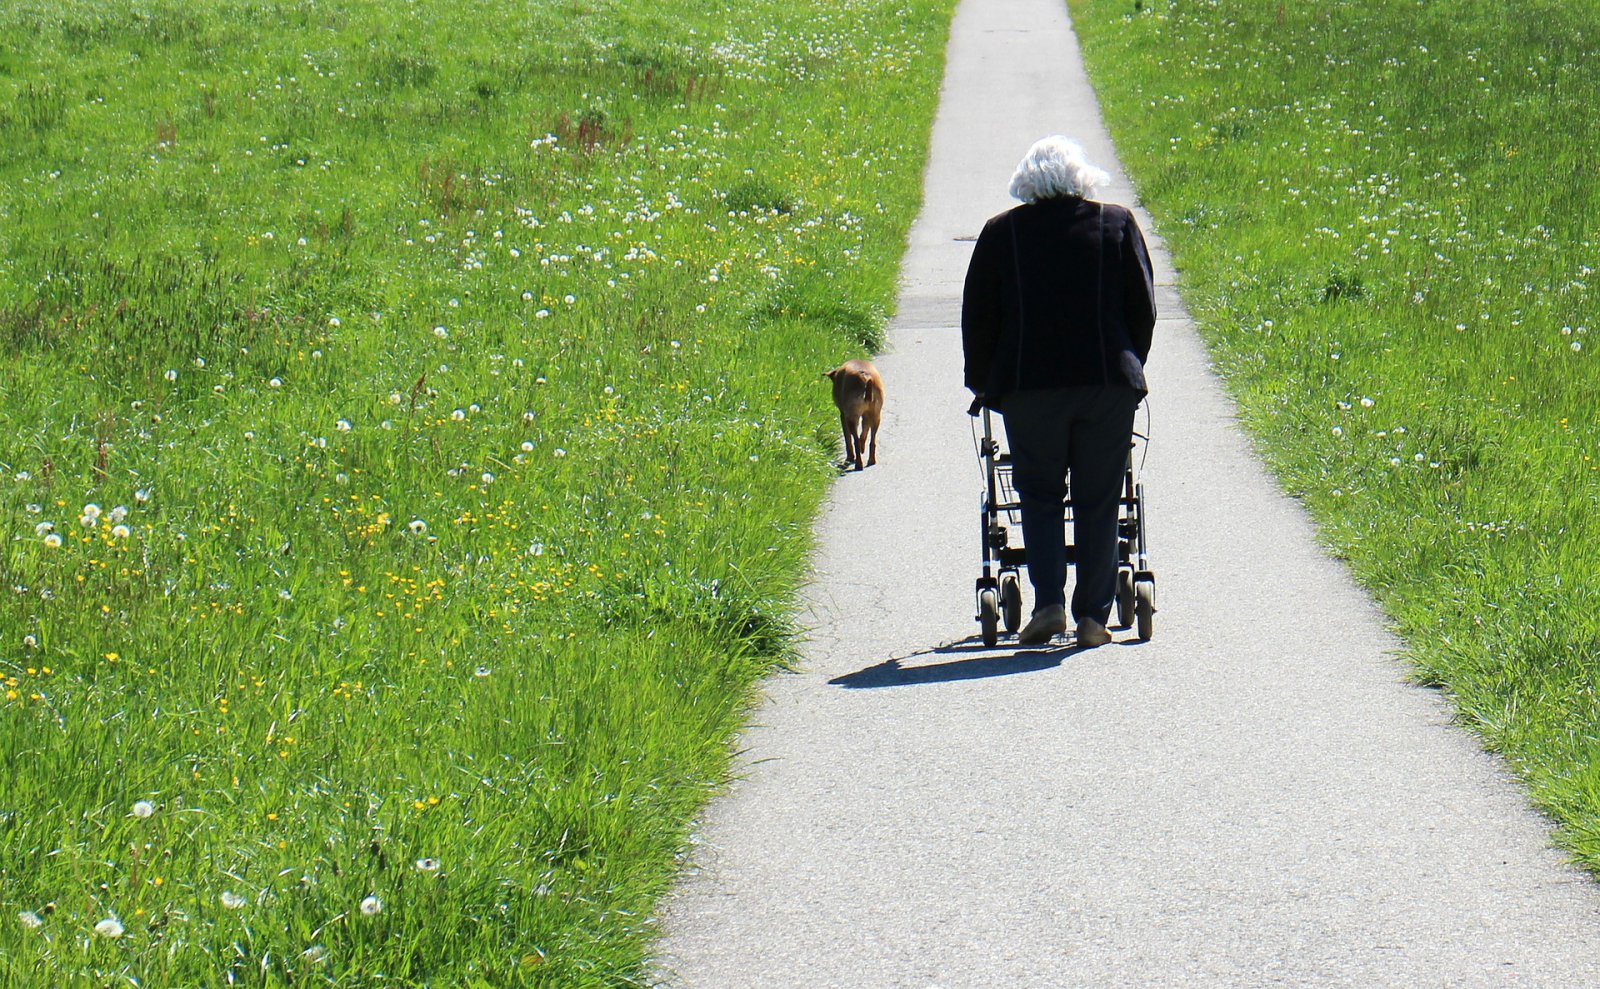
[[411, 429], [1385, 226]]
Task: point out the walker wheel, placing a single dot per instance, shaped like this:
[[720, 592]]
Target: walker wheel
[[989, 616], [1011, 602], [1125, 598], [1144, 608]]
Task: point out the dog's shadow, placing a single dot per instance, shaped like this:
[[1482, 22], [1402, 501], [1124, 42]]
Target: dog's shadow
[[890, 672]]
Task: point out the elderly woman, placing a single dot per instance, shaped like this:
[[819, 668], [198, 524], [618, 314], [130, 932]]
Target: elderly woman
[[1056, 322]]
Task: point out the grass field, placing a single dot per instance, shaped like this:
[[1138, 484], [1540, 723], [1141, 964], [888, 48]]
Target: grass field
[[411, 418], [1385, 217]]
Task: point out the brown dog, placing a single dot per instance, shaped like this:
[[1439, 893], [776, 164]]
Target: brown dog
[[858, 392]]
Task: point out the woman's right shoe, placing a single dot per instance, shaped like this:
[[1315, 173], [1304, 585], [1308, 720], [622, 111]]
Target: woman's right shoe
[[1091, 633], [1046, 623]]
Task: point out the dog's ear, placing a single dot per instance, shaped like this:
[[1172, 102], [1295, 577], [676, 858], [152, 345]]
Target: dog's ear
[[831, 374]]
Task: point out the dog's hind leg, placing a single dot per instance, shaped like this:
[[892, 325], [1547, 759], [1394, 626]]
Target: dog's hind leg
[[852, 445], [871, 422]]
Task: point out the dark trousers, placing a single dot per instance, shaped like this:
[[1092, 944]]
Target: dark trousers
[[1079, 434]]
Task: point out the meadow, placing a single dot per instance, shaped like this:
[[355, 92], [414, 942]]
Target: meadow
[[411, 420], [1384, 216]]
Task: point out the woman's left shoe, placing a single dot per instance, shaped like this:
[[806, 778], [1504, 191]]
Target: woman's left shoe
[[1046, 624]]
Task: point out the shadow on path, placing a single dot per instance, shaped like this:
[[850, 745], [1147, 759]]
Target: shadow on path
[[890, 673]]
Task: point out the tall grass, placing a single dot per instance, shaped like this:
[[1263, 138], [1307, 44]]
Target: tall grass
[[410, 423], [1385, 219]]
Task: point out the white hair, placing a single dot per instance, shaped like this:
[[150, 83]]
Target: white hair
[[1053, 167]]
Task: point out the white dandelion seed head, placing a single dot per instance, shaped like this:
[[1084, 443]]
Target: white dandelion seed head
[[487, 478], [440, 332], [171, 375], [559, 452], [52, 540], [30, 920], [417, 527], [91, 511], [527, 297], [44, 528], [275, 383], [333, 321], [119, 513], [474, 408], [569, 299], [541, 314], [427, 865], [110, 927], [314, 955], [527, 446], [343, 425], [371, 906], [143, 809], [120, 531], [29, 641], [88, 521], [482, 672], [1367, 403], [1577, 345], [231, 900], [458, 414]]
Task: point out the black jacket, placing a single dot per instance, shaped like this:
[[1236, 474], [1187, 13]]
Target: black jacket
[[1058, 293]]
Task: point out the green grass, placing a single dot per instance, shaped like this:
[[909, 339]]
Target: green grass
[[446, 375], [1385, 217]]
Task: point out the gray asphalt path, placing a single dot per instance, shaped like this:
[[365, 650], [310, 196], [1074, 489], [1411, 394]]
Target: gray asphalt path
[[1254, 798]]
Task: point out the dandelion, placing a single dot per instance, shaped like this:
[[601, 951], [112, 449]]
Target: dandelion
[[487, 478], [171, 375], [427, 865], [143, 809], [417, 527], [275, 383], [527, 446], [30, 920], [1338, 431], [1367, 403], [527, 297], [110, 927], [371, 906], [440, 332], [119, 513], [1576, 346], [91, 511], [44, 528], [29, 641], [333, 321], [231, 900], [314, 955], [560, 452], [52, 540], [482, 672], [529, 416], [120, 531], [541, 314], [343, 425], [569, 299]]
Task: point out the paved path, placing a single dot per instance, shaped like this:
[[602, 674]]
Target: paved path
[[1254, 798]]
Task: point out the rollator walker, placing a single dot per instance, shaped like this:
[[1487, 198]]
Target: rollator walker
[[999, 590]]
